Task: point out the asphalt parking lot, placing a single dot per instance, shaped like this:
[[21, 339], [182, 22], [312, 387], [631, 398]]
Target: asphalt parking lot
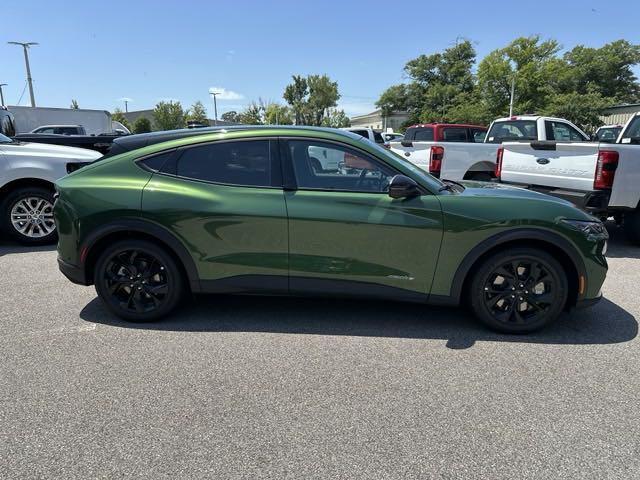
[[251, 387]]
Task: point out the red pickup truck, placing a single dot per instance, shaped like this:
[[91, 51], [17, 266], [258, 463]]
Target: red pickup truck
[[445, 132]]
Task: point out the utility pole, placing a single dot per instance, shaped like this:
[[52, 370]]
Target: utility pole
[[215, 107], [1, 94], [25, 46], [126, 106], [513, 91]]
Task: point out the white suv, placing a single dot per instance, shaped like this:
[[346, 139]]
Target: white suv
[[27, 175]]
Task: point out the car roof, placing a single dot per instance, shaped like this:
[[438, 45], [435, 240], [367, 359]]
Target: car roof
[[56, 126], [133, 142]]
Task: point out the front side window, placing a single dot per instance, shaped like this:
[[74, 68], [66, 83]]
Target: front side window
[[562, 132], [632, 132], [45, 130], [512, 130], [478, 135], [377, 137], [608, 134], [356, 171], [234, 163]]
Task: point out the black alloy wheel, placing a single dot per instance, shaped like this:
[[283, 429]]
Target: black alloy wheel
[[138, 280], [519, 290]]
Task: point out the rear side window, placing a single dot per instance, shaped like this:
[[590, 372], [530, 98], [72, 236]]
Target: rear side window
[[512, 130], [608, 134], [419, 134], [562, 132], [234, 163], [156, 162], [450, 134]]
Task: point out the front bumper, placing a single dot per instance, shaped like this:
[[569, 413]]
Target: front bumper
[[74, 273]]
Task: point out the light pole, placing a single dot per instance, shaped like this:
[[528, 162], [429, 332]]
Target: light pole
[[215, 107], [25, 46], [126, 106], [1, 94], [513, 89]]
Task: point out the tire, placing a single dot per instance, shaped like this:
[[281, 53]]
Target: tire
[[480, 176], [27, 216], [520, 273], [138, 280], [631, 224]]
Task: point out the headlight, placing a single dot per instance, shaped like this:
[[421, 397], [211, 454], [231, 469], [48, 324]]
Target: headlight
[[593, 230]]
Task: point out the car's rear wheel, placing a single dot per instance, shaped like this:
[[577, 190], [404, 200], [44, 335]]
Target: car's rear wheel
[[138, 280], [28, 216], [519, 290]]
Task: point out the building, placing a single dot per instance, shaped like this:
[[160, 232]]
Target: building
[[377, 121], [619, 114]]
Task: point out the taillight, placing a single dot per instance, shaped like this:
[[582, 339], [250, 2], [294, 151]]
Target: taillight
[[435, 160], [605, 169], [499, 155]]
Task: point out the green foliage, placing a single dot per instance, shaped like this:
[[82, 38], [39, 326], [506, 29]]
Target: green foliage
[[74, 104], [231, 116], [168, 116], [197, 113], [576, 85], [276, 114], [310, 97], [141, 125], [336, 119], [253, 114], [118, 116]]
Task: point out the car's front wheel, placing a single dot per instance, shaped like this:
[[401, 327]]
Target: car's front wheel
[[519, 290], [138, 280], [28, 216]]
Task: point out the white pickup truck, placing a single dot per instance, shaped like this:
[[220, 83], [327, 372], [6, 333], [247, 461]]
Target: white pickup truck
[[601, 178], [473, 157], [27, 175]]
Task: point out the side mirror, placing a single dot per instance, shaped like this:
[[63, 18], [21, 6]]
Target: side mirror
[[402, 186]]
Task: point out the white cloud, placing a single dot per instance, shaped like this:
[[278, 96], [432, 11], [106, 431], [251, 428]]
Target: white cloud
[[224, 94]]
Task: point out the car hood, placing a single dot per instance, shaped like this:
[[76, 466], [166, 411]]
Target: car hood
[[490, 189], [52, 151]]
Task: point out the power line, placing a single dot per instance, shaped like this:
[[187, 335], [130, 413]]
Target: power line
[[23, 90]]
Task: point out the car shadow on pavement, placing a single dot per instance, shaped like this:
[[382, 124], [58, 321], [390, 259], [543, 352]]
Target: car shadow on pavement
[[619, 245], [7, 247], [605, 323]]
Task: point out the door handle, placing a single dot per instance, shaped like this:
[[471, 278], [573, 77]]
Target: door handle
[[543, 161]]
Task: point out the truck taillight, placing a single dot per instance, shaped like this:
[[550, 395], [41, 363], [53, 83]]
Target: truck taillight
[[435, 160], [605, 169], [499, 155]]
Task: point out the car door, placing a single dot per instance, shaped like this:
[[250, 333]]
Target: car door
[[346, 235], [224, 201]]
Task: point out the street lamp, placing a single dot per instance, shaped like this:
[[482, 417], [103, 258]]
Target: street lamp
[[215, 107], [25, 46], [1, 94], [513, 86]]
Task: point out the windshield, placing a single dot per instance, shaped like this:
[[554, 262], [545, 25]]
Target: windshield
[[4, 139], [512, 130], [632, 131], [417, 171]]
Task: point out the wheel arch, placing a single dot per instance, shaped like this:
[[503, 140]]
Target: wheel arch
[[554, 244], [482, 166], [138, 229], [25, 182]]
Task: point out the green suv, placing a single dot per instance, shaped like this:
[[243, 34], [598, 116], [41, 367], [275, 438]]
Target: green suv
[[312, 211]]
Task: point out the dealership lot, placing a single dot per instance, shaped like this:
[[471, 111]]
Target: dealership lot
[[252, 387]]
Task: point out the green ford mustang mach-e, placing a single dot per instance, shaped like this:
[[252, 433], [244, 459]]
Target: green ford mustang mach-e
[[311, 211]]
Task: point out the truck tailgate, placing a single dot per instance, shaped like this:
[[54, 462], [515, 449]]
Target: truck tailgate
[[562, 165]]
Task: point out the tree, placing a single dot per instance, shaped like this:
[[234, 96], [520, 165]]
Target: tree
[[142, 125], [74, 104], [231, 116], [253, 114], [583, 109], [276, 114], [310, 97], [197, 113], [118, 116], [336, 119], [168, 116]]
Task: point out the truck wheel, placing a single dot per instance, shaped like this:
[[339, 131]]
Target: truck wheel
[[27, 216], [632, 226], [519, 290]]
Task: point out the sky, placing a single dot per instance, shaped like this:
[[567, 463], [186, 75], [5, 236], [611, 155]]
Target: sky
[[101, 52]]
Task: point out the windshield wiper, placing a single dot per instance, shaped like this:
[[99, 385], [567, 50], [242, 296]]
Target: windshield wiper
[[449, 185]]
